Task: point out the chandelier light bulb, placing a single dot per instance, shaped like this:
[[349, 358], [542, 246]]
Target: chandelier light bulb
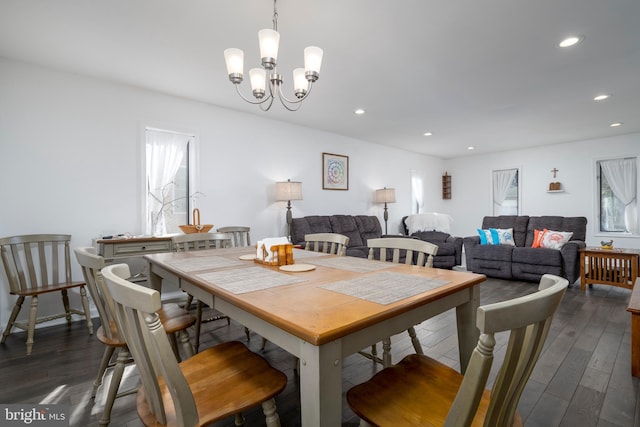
[[299, 82], [258, 78], [235, 63], [313, 61], [269, 41]]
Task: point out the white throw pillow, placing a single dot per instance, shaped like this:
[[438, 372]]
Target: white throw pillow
[[555, 239]]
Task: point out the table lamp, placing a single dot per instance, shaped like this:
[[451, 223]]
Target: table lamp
[[385, 195], [287, 191]]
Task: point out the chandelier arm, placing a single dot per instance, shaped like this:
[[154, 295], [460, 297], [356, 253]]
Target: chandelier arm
[[252, 101], [268, 107], [297, 100]]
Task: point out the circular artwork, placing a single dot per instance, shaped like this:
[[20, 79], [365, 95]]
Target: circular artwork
[[335, 172]]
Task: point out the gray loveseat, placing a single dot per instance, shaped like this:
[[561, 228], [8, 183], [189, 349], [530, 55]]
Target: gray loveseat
[[522, 261], [358, 228]]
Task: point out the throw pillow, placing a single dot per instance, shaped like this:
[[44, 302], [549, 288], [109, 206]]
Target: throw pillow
[[555, 239], [537, 237], [502, 236], [485, 237]]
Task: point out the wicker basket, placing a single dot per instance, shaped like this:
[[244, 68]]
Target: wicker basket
[[196, 227]]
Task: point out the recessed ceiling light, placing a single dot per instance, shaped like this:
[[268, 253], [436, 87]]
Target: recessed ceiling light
[[571, 41], [428, 134], [471, 147], [615, 125], [601, 97], [359, 111]]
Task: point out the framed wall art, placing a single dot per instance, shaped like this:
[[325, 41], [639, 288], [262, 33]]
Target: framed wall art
[[335, 172]]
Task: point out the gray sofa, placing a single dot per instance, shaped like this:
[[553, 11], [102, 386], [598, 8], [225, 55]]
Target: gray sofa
[[449, 247], [522, 262], [358, 228]]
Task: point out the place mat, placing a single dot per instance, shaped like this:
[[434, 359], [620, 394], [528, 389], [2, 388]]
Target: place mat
[[202, 263], [297, 267], [354, 264], [301, 253], [249, 279], [385, 287]]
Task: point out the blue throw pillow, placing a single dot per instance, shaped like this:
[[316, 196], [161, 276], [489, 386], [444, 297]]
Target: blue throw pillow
[[485, 237], [502, 236]]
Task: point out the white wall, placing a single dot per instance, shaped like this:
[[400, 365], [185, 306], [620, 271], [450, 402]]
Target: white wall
[[70, 156], [471, 182]]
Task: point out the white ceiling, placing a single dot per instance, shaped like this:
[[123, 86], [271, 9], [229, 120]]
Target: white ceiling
[[482, 73]]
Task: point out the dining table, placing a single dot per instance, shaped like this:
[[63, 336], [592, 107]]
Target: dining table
[[322, 308]]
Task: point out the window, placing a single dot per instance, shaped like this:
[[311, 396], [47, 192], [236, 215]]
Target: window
[[505, 191], [417, 192], [617, 195], [168, 177]]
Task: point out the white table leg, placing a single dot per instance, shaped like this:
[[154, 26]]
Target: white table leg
[[321, 384], [468, 333]]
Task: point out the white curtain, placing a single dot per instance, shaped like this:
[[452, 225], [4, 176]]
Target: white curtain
[[621, 175], [417, 192], [164, 154], [501, 182]]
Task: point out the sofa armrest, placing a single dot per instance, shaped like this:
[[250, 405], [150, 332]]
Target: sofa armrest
[[457, 244], [570, 259], [470, 242]]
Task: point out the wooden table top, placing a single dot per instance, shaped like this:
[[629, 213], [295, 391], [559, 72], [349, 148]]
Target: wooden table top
[[307, 310]]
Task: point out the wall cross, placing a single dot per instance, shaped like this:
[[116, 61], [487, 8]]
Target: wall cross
[[554, 170]]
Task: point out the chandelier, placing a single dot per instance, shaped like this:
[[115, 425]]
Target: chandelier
[[303, 78]]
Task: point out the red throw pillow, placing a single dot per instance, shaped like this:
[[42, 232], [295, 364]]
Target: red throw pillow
[[538, 235]]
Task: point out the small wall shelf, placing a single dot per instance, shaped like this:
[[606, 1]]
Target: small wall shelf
[[555, 191], [446, 186]]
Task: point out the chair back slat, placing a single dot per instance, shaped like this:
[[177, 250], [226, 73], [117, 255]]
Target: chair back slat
[[136, 308], [330, 243], [36, 260], [417, 252], [240, 235], [200, 241], [528, 320]]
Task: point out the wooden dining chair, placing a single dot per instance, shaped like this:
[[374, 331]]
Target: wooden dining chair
[[175, 319], [329, 243], [35, 265], [422, 391], [240, 235], [196, 242], [220, 382], [416, 252]]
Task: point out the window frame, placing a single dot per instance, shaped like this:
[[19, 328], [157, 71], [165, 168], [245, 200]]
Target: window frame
[[492, 204], [192, 169], [596, 198]]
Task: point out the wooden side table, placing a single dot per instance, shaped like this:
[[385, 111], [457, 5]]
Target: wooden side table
[[615, 267]]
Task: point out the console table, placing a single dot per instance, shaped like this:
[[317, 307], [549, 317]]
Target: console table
[[133, 247], [615, 267]]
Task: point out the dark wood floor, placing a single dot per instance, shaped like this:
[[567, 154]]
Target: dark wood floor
[[582, 379]]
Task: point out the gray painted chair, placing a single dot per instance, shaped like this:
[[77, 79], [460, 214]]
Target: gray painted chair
[[215, 384], [417, 252], [422, 391], [38, 264], [196, 242], [176, 320], [329, 243], [240, 235]]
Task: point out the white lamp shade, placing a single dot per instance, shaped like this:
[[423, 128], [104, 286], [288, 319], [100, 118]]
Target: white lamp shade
[[299, 80], [258, 78], [235, 60], [269, 41], [312, 59], [385, 195], [288, 190]]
